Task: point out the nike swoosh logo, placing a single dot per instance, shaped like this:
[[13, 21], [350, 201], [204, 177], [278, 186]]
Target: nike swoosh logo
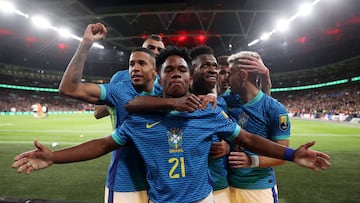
[[152, 124]]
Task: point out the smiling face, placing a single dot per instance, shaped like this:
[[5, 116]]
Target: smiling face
[[175, 77], [204, 74], [142, 70]]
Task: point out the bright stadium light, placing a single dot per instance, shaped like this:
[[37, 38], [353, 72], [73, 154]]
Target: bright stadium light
[[305, 9], [98, 45], [282, 25], [64, 32], [266, 36], [253, 42], [41, 22], [7, 7]]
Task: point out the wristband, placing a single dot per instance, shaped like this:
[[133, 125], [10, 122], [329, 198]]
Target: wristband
[[255, 162], [289, 154]]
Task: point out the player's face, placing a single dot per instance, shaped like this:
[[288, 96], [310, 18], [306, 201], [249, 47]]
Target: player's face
[[205, 70], [224, 72], [175, 77], [142, 70], [153, 45]]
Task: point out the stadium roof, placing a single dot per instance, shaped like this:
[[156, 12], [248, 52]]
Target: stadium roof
[[329, 34]]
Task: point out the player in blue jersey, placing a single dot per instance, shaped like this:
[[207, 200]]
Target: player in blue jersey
[[152, 42], [121, 164], [174, 145], [126, 180], [204, 74], [251, 177]]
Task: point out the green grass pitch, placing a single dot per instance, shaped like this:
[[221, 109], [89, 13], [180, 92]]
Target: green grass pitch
[[85, 181]]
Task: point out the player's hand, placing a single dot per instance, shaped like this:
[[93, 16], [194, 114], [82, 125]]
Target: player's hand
[[188, 103], [94, 32], [206, 99], [239, 160], [252, 64], [37, 159], [306, 157], [219, 149]]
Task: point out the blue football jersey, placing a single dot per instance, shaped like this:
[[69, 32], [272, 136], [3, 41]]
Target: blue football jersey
[[175, 148], [263, 116], [126, 171], [218, 167], [121, 76]]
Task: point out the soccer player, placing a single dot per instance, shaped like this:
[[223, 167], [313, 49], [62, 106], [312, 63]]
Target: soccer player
[[126, 180], [223, 87], [152, 42], [175, 145], [204, 74], [120, 175], [251, 177]]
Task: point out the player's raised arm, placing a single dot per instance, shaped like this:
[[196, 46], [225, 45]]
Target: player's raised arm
[[70, 84]]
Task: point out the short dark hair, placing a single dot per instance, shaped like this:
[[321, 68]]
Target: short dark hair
[[170, 51], [199, 50], [146, 50], [222, 60], [154, 37]]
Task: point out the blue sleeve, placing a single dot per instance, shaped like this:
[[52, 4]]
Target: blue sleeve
[[224, 126], [113, 94], [120, 76], [120, 134], [279, 122]]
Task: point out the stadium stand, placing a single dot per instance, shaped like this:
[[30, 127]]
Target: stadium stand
[[334, 102]]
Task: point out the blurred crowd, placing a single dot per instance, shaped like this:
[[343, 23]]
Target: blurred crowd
[[336, 100], [22, 100]]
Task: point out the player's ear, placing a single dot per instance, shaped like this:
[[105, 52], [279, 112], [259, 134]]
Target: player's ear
[[244, 74]]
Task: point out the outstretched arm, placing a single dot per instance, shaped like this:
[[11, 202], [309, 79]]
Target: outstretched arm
[[240, 159], [70, 84], [302, 156], [42, 157]]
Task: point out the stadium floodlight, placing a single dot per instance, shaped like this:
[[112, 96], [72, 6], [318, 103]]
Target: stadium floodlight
[[7, 7], [282, 25], [97, 45], [253, 42], [266, 36], [64, 32], [305, 9], [41, 22]]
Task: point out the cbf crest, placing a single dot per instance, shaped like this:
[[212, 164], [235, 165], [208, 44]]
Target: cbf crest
[[175, 139], [243, 119]]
